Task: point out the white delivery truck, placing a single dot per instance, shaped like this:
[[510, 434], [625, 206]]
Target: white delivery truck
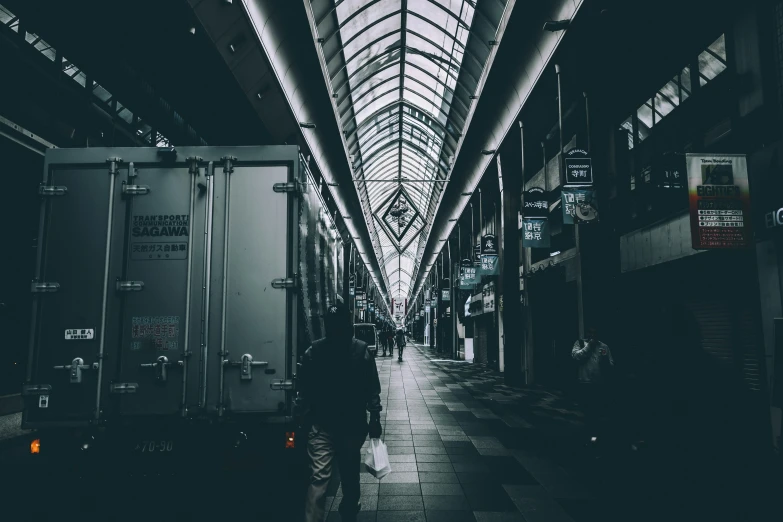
[[174, 291]]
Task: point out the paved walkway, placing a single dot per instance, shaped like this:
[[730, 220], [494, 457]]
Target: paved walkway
[[457, 448]]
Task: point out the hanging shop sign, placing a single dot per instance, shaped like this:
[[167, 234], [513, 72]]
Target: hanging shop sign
[[571, 197], [489, 245], [477, 254], [670, 171], [467, 274], [489, 265], [535, 203], [445, 294], [535, 233], [578, 168], [719, 201]]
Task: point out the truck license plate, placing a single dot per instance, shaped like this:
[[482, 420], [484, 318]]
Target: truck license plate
[[154, 446]]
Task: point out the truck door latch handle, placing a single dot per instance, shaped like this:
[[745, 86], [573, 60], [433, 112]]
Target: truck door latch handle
[[75, 369], [246, 364], [160, 366]]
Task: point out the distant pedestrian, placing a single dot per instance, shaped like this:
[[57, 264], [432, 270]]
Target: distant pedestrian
[[338, 384], [595, 363], [400, 343]]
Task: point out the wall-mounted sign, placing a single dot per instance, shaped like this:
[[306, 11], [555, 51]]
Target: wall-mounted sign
[[719, 201], [489, 245], [488, 295], [535, 233], [535, 203], [571, 197], [489, 265], [578, 168], [477, 254], [445, 294], [670, 171]]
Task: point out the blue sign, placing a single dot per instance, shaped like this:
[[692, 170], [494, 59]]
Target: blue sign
[[535, 233], [489, 265]]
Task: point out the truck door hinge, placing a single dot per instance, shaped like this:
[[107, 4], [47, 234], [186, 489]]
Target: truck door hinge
[[114, 165], [123, 387], [130, 286], [282, 384], [52, 190], [36, 389], [288, 282], [135, 190], [228, 163], [194, 161], [40, 287], [246, 364], [291, 186]]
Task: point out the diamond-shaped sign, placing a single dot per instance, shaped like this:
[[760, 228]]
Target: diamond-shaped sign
[[399, 214]]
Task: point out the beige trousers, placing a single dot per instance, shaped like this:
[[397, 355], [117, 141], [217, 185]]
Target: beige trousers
[[322, 448]]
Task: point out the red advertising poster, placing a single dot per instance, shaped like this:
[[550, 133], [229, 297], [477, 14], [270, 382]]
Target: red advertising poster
[[719, 198]]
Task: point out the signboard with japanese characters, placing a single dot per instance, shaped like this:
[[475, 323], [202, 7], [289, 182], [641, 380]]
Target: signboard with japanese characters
[[489, 245], [489, 265], [445, 294], [571, 197], [535, 203], [535, 233], [477, 254], [719, 198], [488, 295], [578, 168], [156, 332], [160, 237], [467, 276], [73, 334]]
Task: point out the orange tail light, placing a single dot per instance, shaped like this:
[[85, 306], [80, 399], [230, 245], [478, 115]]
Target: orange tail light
[[290, 441], [35, 447]]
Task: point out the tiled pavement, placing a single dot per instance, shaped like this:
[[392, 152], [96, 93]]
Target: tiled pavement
[[458, 454]]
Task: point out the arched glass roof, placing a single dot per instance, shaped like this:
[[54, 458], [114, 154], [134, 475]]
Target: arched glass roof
[[403, 76]]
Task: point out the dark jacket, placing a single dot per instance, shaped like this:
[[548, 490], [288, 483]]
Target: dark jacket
[[400, 338], [339, 387]]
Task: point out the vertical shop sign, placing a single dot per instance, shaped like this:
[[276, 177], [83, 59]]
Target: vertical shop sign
[[445, 294], [467, 276], [488, 296], [489, 265], [719, 198], [669, 171], [571, 197], [489, 245], [578, 168], [477, 254], [536, 204], [535, 233]]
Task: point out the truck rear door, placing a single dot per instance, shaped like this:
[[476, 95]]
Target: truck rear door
[[79, 210], [253, 305]]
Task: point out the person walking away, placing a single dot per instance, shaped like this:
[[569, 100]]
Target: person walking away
[[338, 383], [595, 360], [390, 340], [382, 339], [400, 343]]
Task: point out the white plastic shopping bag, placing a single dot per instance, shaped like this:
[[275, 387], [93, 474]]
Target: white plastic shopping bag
[[377, 459]]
